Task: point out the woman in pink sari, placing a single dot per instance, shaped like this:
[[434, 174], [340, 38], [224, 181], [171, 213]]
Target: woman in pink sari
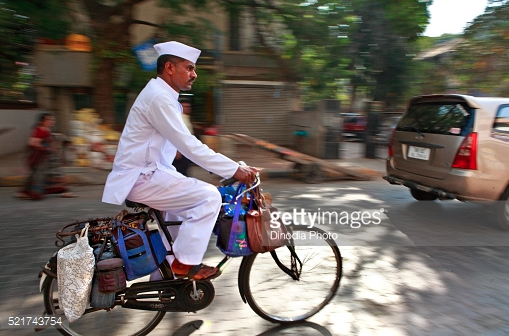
[[43, 163]]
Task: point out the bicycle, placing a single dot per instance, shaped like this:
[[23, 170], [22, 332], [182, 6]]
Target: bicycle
[[305, 274]]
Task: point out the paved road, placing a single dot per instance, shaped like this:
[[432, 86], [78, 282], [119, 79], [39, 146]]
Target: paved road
[[425, 269]]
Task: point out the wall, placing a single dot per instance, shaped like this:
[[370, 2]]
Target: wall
[[60, 67], [316, 130], [15, 128]]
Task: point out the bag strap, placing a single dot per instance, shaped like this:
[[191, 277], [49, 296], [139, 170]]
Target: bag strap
[[236, 214], [84, 231], [238, 192], [238, 206], [259, 199], [123, 251], [250, 207]]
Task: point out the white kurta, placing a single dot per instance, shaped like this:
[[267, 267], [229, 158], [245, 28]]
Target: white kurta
[[143, 172], [153, 132]]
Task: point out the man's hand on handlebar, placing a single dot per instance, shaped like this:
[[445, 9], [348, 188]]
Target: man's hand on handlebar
[[245, 174]]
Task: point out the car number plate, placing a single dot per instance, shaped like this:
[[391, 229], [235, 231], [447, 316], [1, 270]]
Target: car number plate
[[420, 153]]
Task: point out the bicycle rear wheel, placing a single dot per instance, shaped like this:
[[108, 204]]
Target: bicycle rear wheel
[[116, 321], [277, 297]]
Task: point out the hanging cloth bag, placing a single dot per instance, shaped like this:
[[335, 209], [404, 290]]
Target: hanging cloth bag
[[75, 269], [232, 231], [265, 229]]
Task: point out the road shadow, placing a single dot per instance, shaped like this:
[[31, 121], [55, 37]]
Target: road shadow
[[302, 328], [447, 223]]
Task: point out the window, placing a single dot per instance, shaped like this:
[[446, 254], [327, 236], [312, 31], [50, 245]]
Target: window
[[438, 118], [501, 123]]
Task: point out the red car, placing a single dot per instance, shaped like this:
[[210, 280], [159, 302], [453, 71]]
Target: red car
[[354, 125]]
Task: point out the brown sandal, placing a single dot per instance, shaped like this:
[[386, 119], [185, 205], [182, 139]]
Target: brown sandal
[[195, 272]]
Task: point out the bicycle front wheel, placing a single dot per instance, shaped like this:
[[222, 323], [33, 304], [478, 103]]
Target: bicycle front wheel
[[115, 321], [278, 297]]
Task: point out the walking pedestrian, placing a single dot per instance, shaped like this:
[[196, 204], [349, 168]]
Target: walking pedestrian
[[43, 162]]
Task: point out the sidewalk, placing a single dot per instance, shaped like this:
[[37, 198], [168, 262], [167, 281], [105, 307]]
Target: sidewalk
[[13, 171]]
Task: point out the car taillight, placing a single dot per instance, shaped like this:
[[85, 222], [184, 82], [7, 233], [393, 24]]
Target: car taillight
[[391, 152], [466, 158]]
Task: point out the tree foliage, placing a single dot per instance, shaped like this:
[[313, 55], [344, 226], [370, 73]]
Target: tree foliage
[[382, 47], [482, 58], [21, 22], [334, 48]]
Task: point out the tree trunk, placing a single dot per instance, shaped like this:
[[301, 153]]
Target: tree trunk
[[111, 25], [353, 97], [103, 92]]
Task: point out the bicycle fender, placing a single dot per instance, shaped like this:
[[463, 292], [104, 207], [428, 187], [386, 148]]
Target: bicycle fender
[[240, 277], [47, 271], [41, 281]]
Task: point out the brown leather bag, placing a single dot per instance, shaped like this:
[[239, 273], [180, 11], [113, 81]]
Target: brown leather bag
[[265, 232]]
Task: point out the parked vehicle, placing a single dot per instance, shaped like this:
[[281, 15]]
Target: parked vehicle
[[454, 147], [354, 125], [385, 130]]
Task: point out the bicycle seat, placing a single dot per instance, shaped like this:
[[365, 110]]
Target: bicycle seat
[[132, 204]]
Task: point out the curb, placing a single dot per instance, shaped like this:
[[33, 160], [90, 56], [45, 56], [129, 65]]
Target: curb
[[95, 178], [86, 176], [268, 174]]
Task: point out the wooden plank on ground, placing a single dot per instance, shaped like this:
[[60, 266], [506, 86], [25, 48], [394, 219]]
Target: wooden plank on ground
[[306, 163]]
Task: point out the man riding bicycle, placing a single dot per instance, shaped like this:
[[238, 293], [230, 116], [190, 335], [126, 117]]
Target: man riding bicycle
[[143, 172]]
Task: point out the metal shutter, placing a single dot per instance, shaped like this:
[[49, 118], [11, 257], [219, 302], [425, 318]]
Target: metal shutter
[[258, 109]]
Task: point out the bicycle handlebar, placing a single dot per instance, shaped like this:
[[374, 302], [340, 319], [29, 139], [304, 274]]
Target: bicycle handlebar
[[227, 182], [231, 180]]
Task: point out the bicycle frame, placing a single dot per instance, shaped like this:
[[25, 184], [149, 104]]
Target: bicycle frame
[[293, 271], [188, 295]]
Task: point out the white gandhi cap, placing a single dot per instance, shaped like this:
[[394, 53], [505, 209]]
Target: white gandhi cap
[[178, 49]]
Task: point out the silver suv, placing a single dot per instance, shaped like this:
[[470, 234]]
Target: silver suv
[[453, 147]]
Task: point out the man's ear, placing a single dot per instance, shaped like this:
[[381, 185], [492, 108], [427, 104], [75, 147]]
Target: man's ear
[[169, 66]]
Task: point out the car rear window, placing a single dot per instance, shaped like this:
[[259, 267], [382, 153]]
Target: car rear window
[[439, 118]]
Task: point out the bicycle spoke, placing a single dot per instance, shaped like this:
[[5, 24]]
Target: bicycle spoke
[[267, 285]]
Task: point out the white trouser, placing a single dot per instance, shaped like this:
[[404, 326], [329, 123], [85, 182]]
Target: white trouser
[[194, 202]]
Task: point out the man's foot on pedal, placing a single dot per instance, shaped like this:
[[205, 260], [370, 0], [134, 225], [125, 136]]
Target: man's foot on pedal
[[195, 272]]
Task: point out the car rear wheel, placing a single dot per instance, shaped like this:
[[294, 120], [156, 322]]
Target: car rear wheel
[[422, 195]]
